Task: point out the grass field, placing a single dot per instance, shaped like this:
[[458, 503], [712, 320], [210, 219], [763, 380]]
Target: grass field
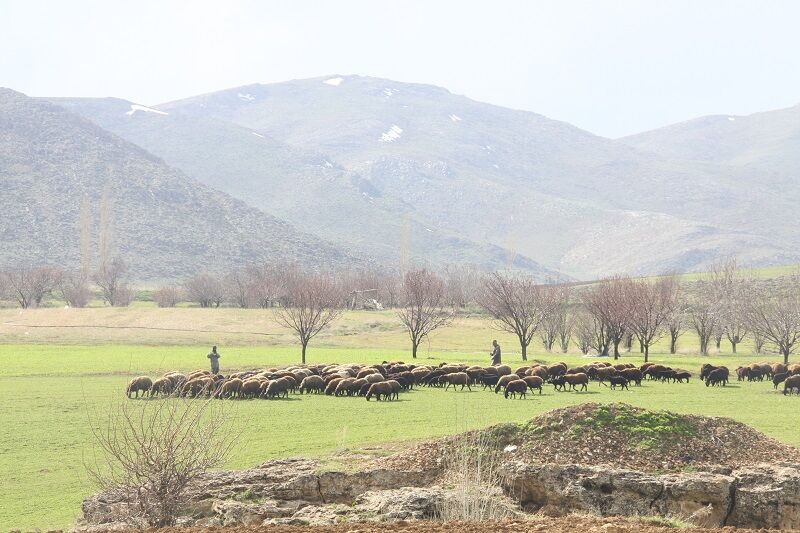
[[55, 381]]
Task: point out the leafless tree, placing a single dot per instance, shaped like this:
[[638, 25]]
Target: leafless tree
[[74, 288], [774, 315], [462, 285], [28, 285], [556, 326], [150, 452], [111, 278], [238, 286], [758, 343], [167, 296], [204, 289], [589, 333], [607, 301], [313, 302], [517, 304], [676, 325], [424, 308], [650, 305], [265, 285], [704, 311]]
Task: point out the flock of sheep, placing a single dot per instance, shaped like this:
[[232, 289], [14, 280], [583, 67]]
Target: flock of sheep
[[387, 380]]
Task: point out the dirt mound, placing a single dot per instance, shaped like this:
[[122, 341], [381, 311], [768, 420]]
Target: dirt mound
[[618, 435], [550, 525]]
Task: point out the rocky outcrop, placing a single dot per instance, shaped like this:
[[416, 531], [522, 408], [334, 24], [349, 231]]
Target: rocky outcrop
[[298, 492], [758, 497]]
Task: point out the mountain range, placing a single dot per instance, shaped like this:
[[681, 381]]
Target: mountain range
[[392, 173]]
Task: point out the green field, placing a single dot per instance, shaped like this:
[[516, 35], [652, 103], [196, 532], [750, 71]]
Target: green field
[[55, 381]]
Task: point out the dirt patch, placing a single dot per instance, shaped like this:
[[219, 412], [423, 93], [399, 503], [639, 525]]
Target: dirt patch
[[568, 524], [620, 436]]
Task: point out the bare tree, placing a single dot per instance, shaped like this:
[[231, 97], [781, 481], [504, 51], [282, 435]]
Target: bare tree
[[774, 315], [111, 278], [265, 285], [462, 285], [607, 301], [313, 303], [758, 343], [204, 289], [74, 288], [517, 304], [29, 286], [705, 310], [167, 296], [556, 326], [589, 333], [650, 305], [676, 325], [152, 451], [424, 307], [238, 287]]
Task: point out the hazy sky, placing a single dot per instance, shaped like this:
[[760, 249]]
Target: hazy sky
[[612, 67]]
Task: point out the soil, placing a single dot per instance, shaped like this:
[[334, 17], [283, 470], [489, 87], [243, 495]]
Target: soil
[[617, 435], [568, 524]]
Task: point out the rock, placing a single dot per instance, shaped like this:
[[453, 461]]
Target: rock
[[408, 503]]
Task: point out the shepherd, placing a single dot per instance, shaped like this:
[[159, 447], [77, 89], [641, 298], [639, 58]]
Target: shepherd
[[495, 353], [214, 356]]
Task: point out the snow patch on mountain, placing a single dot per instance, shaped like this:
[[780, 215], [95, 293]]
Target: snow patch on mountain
[[257, 134], [247, 97], [455, 118], [137, 107], [334, 81], [392, 134]]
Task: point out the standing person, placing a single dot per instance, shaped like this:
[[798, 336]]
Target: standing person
[[214, 356], [495, 353]]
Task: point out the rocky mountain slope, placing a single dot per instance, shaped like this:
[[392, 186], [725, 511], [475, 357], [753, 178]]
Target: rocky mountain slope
[[364, 160], [165, 224]]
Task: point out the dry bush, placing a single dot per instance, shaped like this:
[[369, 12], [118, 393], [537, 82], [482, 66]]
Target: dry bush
[[167, 296], [151, 451], [74, 288], [473, 473]]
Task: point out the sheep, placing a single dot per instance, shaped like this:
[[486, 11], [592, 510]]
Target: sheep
[[792, 383], [141, 383], [375, 378], [533, 382], [366, 372], [557, 369], [577, 379], [618, 381], [681, 376], [777, 379], [161, 386], [278, 388], [230, 388], [539, 371], [457, 378], [250, 388], [718, 376], [633, 374], [312, 384], [198, 386], [380, 390], [793, 369], [503, 370], [514, 387], [602, 374], [343, 386], [503, 381], [330, 388]]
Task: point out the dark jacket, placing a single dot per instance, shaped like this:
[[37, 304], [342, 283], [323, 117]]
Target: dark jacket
[[496, 355]]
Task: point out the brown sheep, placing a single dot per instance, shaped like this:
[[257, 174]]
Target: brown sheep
[[534, 382], [380, 390], [792, 383], [250, 388], [374, 378], [503, 381], [366, 372], [312, 384], [343, 386], [539, 371], [230, 388], [198, 386], [330, 388], [778, 368], [633, 374], [141, 383], [515, 387], [278, 388], [457, 378], [793, 369], [503, 370], [557, 369], [573, 380], [161, 386]]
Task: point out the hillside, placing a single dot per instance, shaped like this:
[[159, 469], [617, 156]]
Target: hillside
[[163, 223], [295, 183], [370, 156]]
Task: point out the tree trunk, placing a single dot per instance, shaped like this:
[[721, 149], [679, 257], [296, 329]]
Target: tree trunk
[[303, 353], [673, 344], [524, 350], [616, 348], [413, 350], [785, 356], [733, 346], [641, 346], [646, 353]]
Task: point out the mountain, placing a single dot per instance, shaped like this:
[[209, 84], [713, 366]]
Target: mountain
[[365, 161], [163, 223], [295, 183], [760, 149]]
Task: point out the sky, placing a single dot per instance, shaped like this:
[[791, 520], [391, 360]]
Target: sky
[[611, 67]]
